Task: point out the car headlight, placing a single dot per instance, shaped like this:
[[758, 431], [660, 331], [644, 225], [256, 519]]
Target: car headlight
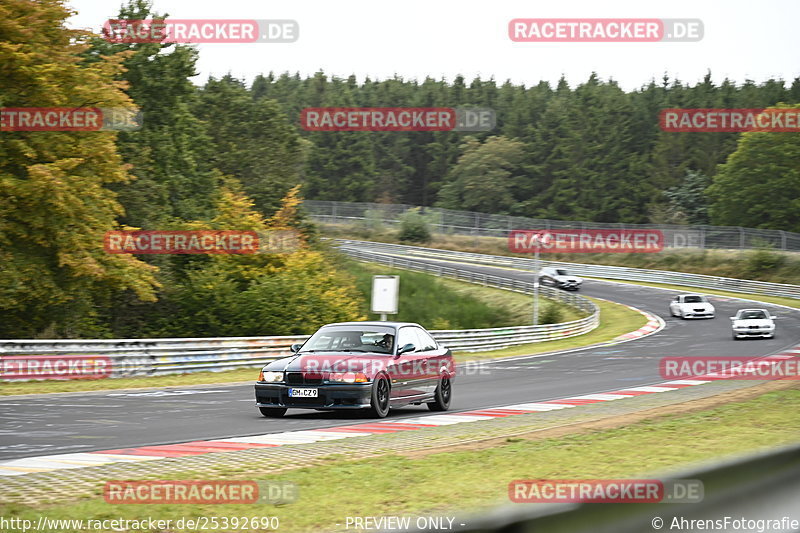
[[271, 377], [348, 377]]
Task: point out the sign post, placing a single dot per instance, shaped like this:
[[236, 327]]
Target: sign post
[[536, 287], [536, 241], [385, 295]]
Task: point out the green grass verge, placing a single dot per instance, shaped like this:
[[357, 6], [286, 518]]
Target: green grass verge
[[615, 320], [473, 479], [761, 264], [440, 303]]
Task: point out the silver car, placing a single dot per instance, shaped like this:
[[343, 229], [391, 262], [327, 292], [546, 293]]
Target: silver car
[[558, 277]]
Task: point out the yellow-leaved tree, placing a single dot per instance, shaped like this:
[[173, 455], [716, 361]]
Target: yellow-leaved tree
[[268, 293], [55, 206]]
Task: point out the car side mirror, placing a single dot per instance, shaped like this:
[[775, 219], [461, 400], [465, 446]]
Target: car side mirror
[[733, 318], [295, 348], [406, 348], [772, 317]]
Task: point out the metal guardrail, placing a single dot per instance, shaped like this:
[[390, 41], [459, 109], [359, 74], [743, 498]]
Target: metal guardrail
[[598, 271], [474, 340], [486, 225], [150, 357], [759, 487]]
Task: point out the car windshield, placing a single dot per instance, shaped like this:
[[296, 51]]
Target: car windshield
[[748, 315], [372, 339], [694, 299], [561, 272]]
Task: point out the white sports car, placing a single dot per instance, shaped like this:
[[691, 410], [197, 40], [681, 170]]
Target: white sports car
[[691, 306], [753, 323], [558, 277]]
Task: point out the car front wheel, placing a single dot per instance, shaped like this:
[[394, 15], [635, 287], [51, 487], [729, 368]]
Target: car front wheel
[[272, 412], [442, 396], [379, 403]]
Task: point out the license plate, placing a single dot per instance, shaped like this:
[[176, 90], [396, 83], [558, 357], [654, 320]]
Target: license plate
[[303, 393]]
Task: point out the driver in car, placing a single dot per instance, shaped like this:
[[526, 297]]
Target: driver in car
[[386, 342]]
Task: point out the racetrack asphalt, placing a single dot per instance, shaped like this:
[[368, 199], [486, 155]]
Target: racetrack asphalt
[[92, 421]]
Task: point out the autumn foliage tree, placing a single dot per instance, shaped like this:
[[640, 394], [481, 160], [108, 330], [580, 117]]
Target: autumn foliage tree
[[55, 204]]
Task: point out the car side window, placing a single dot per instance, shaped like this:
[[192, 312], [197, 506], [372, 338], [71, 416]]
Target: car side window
[[406, 336], [426, 341]]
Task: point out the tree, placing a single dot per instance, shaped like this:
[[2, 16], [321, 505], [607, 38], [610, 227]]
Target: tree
[[252, 141], [689, 200], [759, 184], [171, 154], [484, 176], [260, 294], [55, 204]]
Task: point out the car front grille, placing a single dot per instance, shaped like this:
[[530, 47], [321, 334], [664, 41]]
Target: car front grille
[[303, 378]]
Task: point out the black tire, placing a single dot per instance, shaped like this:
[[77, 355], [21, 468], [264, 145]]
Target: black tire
[[735, 337], [272, 412], [379, 402], [442, 396]]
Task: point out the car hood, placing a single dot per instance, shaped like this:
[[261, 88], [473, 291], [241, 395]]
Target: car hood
[[568, 278], [699, 305], [325, 362], [760, 322]]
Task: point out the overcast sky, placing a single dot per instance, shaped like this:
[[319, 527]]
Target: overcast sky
[[744, 39]]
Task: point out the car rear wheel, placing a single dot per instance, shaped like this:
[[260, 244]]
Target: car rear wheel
[[442, 396], [272, 412], [379, 403]]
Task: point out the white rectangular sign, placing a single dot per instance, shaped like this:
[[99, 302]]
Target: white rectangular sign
[[385, 293]]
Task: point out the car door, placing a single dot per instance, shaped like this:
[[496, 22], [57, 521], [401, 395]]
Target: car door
[[433, 359], [419, 378], [401, 370]]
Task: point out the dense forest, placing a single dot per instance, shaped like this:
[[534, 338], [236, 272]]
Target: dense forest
[[229, 154], [589, 152]]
